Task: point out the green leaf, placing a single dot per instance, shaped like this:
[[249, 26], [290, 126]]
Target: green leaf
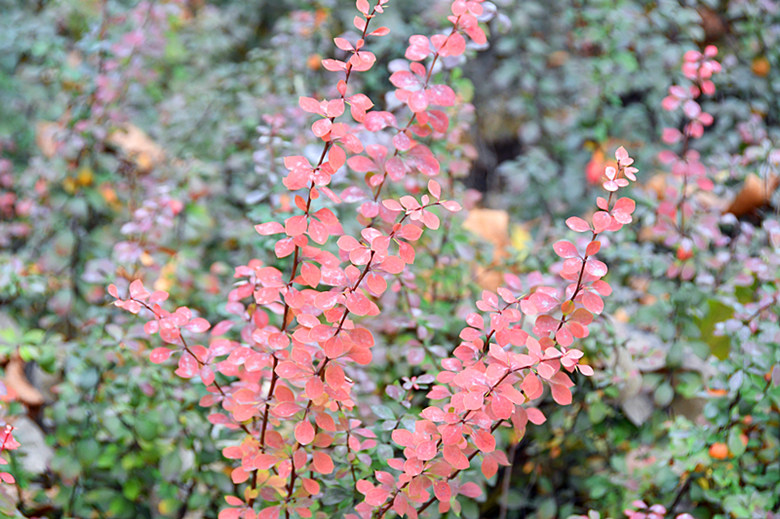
[[170, 465], [664, 394], [132, 489], [383, 412], [734, 442], [717, 312]]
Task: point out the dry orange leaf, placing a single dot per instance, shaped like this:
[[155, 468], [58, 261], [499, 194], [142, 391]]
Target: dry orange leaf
[[16, 380], [137, 147], [492, 225], [756, 193], [45, 138]]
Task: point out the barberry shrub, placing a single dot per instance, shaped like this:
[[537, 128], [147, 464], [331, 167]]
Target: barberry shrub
[[281, 371], [688, 383]]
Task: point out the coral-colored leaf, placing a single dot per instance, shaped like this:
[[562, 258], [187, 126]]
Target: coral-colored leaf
[[322, 463], [160, 354], [565, 249], [577, 224], [561, 394], [304, 432], [269, 228]]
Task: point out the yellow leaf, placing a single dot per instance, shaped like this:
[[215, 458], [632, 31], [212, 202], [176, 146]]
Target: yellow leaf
[[521, 240]]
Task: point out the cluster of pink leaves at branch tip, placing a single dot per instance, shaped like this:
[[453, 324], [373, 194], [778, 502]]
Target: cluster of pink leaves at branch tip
[[686, 165], [289, 391]]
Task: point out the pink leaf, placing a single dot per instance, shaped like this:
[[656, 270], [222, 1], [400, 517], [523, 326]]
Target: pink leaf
[[304, 433], [577, 224], [455, 457], [269, 228], [322, 463], [470, 489], [311, 105], [561, 394], [535, 416], [565, 249], [137, 290], [160, 354]]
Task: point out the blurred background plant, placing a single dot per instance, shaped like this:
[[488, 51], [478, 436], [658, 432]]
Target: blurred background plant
[[144, 139]]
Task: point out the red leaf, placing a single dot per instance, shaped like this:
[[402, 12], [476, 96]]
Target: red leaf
[[160, 354], [362, 6], [137, 290], [378, 120], [470, 489], [392, 205], [311, 486], [577, 224], [362, 164], [304, 433], [535, 416], [230, 513], [410, 232], [418, 101], [269, 228], [456, 45], [334, 376], [272, 512], [565, 249], [314, 388], [561, 394], [343, 44], [188, 367], [336, 157], [442, 491], [376, 284], [311, 105], [592, 248], [322, 463], [601, 221], [489, 467], [455, 457], [198, 325], [596, 268], [333, 65], [434, 188], [484, 440], [403, 437], [441, 95], [532, 386], [284, 247], [451, 205], [310, 274], [593, 302]]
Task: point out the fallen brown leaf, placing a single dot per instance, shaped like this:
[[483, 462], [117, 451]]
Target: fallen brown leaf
[[137, 147], [16, 380], [755, 193]]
